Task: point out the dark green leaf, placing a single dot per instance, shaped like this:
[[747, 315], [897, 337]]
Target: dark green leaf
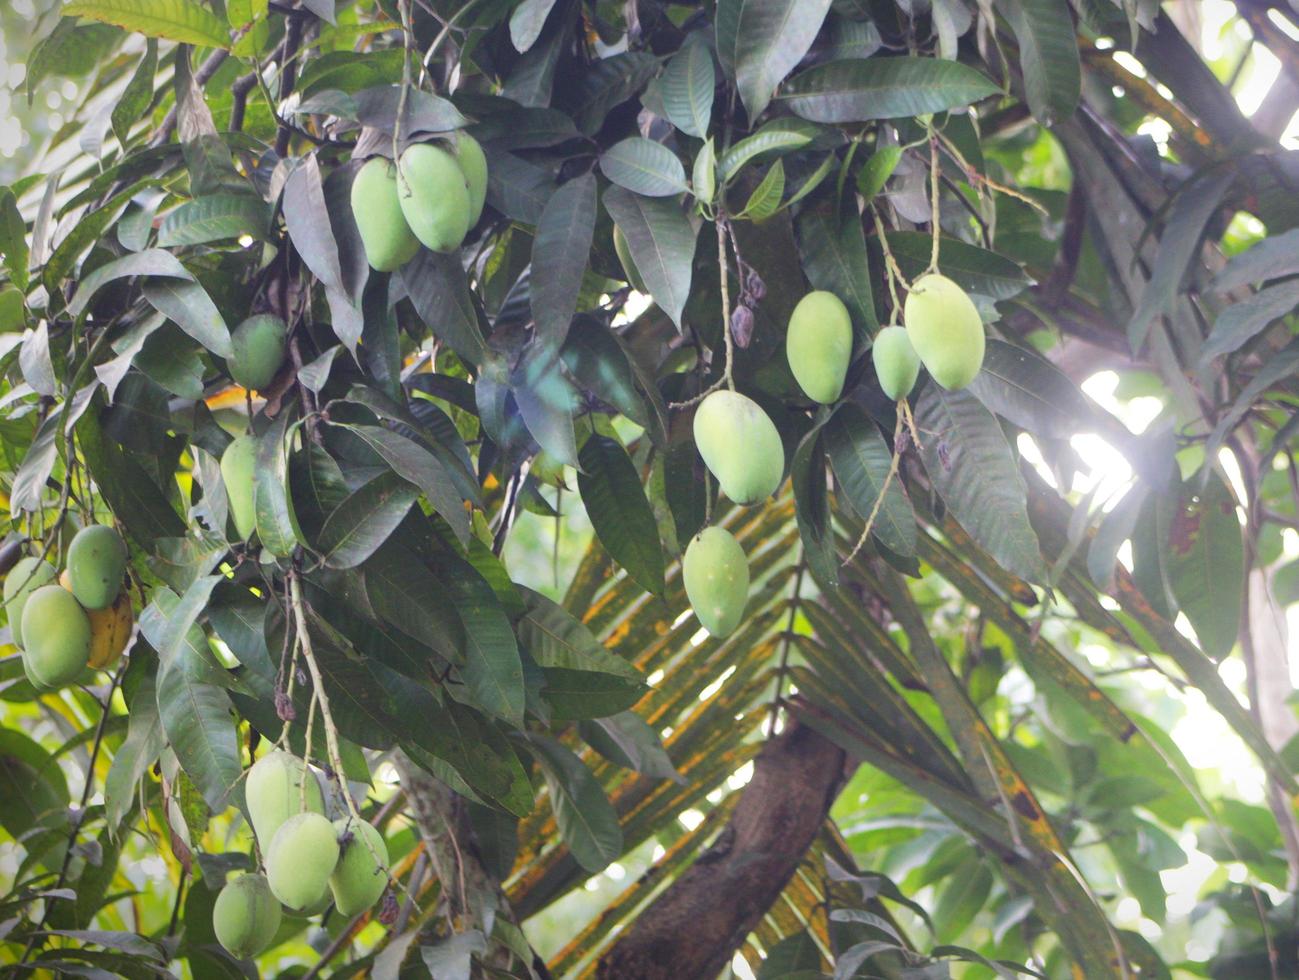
[[627, 740], [1241, 322], [188, 305], [1206, 562], [1031, 392], [276, 526], [761, 41], [587, 821], [560, 253], [662, 243], [974, 269], [833, 251], [13, 239], [883, 88], [687, 85], [214, 218], [807, 475], [555, 638], [364, 521], [645, 167], [1273, 257], [620, 513], [1048, 56], [861, 460], [493, 670], [439, 291], [137, 95]]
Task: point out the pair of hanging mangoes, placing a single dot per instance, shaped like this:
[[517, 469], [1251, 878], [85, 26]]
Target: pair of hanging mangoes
[[740, 444], [309, 858]]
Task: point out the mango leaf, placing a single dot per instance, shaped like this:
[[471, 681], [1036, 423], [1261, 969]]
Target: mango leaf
[[645, 167], [493, 670], [587, 820], [877, 170], [662, 243], [526, 23], [627, 740], [1206, 562], [833, 251], [1030, 391], [765, 199], [306, 216], [621, 515], [780, 136], [974, 269], [883, 88], [973, 469], [276, 526], [214, 218], [185, 21], [607, 83], [759, 42], [364, 521], [554, 637], [861, 459], [13, 239], [188, 305], [1241, 322], [137, 95], [560, 252], [1273, 257], [1048, 56], [807, 476], [687, 85], [439, 291]]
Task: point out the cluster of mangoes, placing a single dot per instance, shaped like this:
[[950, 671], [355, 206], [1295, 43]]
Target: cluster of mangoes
[[64, 623], [431, 196], [309, 859], [740, 444]]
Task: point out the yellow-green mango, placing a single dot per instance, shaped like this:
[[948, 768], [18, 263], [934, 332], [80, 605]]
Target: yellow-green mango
[[246, 916], [629, 270], [97, 566], [27, 575], [897, 365], [358, 880], [740, 446], [388, 241], [40, 686], [945, 329], [716, 576], [238, 467], [302, 855], [257, 350], [273, 792], [57, 631], [818, 345], [473, 162], [434, 196]]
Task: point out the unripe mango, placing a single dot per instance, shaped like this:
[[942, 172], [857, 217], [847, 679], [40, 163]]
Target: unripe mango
[[945, 329], [434, 196], [273, 792], [897, 365], [302, 856], [97, 566], [388, 241], [359, 879], [473, 162], [27, 575], [257, 350], [246, 916], [629, 270], [740, 446], [238, 467], [57, 631], [110, 628], [716, 576], [818, 345]]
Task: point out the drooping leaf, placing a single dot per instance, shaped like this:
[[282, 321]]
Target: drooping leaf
[[587, 822], [1048, 56], [526, 22], [807, 475], [833, 251], [662, 243], [1031, 392], [214, 218], [761, 41], [364, 521], [439, 291], [615, 501], [883, 88], [1273, 257], [645, 167], [1206, 562], [188, 305], [1241, 322], [974, 269], [861, 458], [493, 670], [687, 85], [560, 252]]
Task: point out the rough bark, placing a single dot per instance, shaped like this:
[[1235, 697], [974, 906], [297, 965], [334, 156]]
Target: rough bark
[[695, 926]]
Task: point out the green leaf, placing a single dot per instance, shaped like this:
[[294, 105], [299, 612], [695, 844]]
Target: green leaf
[[1048, 56], [554, 637], [876, 171], [964, 896], [1241, 322], [526, 23], [973, 468], [188, 305], [1206, 561], [761, 41], [137, 95], [13, 239], [687, 85], [276, 526], [33, 790], [765, 199], [1030, 391], [1273, 257], [812, 507], [861, 460], [88, 230], [560, 253], [627, 740], [601, 366], [587, 820], [150, 262], [974, 269], [403, 591], [703, 175], [619, 511], [184, 21], [883, 88], [144, 742], [439, 291], [833, 251], [779, 136], [493, 670], [607, 83], [365, 520], [662, 243], [214, 218], [645, 167]]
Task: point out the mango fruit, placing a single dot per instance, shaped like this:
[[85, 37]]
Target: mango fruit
[[40, 686], [110, 631], [57, 631], [473, 163], [434, 196], [273, 792], [246, 916], [359, 879], [27, 575], [818, 345], [388, 241], [945, 329], [630, 273], [897, 365], [238, 467], [257, 350], [97, 566], [716, 576], [740, 446], [301, 857]]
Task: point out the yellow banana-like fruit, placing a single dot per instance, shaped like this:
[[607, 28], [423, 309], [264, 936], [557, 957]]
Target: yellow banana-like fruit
[[110, 629]]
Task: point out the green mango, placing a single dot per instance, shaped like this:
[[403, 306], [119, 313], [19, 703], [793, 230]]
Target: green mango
[[629, 270], [57, 631], [257, 347], [359, 879], [246, 916], [897, 365], [302, 855], [818, 345], [238, 467], [434, 196], [388, 241], [273, 792], [716, 576], [97, 566], [473, 162], [27, 575], [945, 329], [740, 446]]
